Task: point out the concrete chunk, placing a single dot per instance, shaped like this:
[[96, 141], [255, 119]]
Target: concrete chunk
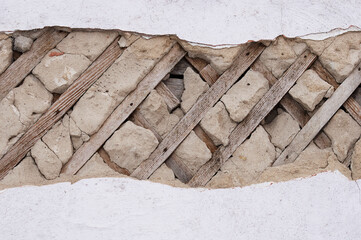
[[130, 145], [218, 125], [194, 87], [89, 44], [6, 54], [282, 130], [22, 44], [193, 152], [244, 95], [310, 89], [343, 131], [57, 71]]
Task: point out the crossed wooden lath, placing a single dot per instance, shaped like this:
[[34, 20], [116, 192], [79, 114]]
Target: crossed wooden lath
[[246, 59]]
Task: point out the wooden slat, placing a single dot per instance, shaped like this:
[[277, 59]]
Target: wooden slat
[[180, 68], [351, 105], [291, 106], [197, 63], [205, 138], [123, 111], [197, 112], [181, 170], [253, 119], [320, 118], [17, 71], [59, 108], [176, 86], [204, 69], [170, 99]]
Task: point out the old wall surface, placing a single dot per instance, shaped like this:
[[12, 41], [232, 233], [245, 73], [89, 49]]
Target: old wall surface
[[326, 206]]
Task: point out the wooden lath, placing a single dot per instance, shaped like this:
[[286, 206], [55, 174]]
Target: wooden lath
[[253, 119], [123, 111], [27, 61], [59, 108], [197, 112]]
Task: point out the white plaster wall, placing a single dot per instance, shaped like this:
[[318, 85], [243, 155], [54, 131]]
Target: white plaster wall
[[327, 206], [211, 22]]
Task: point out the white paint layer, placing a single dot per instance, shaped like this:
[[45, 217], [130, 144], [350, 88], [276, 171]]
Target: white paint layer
[[327, 206], [211, 22]]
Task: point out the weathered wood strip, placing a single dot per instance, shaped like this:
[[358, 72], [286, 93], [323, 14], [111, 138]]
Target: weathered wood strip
[[197, 63], [253, 119], [180, 68], [351, 105], [17, 71], [181, 170], [170, 99], [59, 108], [197, 112], [204, 69], [291, 106], [320, 118], [205, 138], [125, 108]]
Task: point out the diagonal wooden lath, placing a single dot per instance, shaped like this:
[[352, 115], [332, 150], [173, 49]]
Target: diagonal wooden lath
[[59, 108], [253, 119], [123, 111], [197, 112], [17, 71], [320, 118]]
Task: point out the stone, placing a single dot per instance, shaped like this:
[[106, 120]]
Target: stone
[[22, 44], [118, 81], [165, 175], [310, 89], [193, 152], [58, 71], [25, 173], [32, 34], [244, 95], [342, 55], [282, 130], [85, 137], [89, 44], [130, 145], [6, 54], [218, 125], [77, 142], [46, 160], [155, 111], [58, 141], [73, 129], [318, 46], [11, 128], [31, 99], [310, 162], [247, 163], [194, 87], [278, 57], [219, 58], [92, 110], [356, 161], [127, 39], [298, 45], [96, 167], [343, 131]]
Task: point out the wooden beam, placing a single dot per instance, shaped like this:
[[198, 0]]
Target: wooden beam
[[17, 71], [59, 108], [320, 118], [123, 111], [204, 69], [291, 106], [197, 112], [351, 105], [170, 99], [253, 119], [181, 170], [180, 68]]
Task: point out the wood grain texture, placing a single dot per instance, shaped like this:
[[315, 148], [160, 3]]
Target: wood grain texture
[[180, 68], [320, 118], [176, 86], [197, 63], [181, 170], [207, 72], [197, 112], [18, 70], [59, 108], [170, 99], [205, 138], [351, 105], [292, 106], [253, 119], [125, 108]]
